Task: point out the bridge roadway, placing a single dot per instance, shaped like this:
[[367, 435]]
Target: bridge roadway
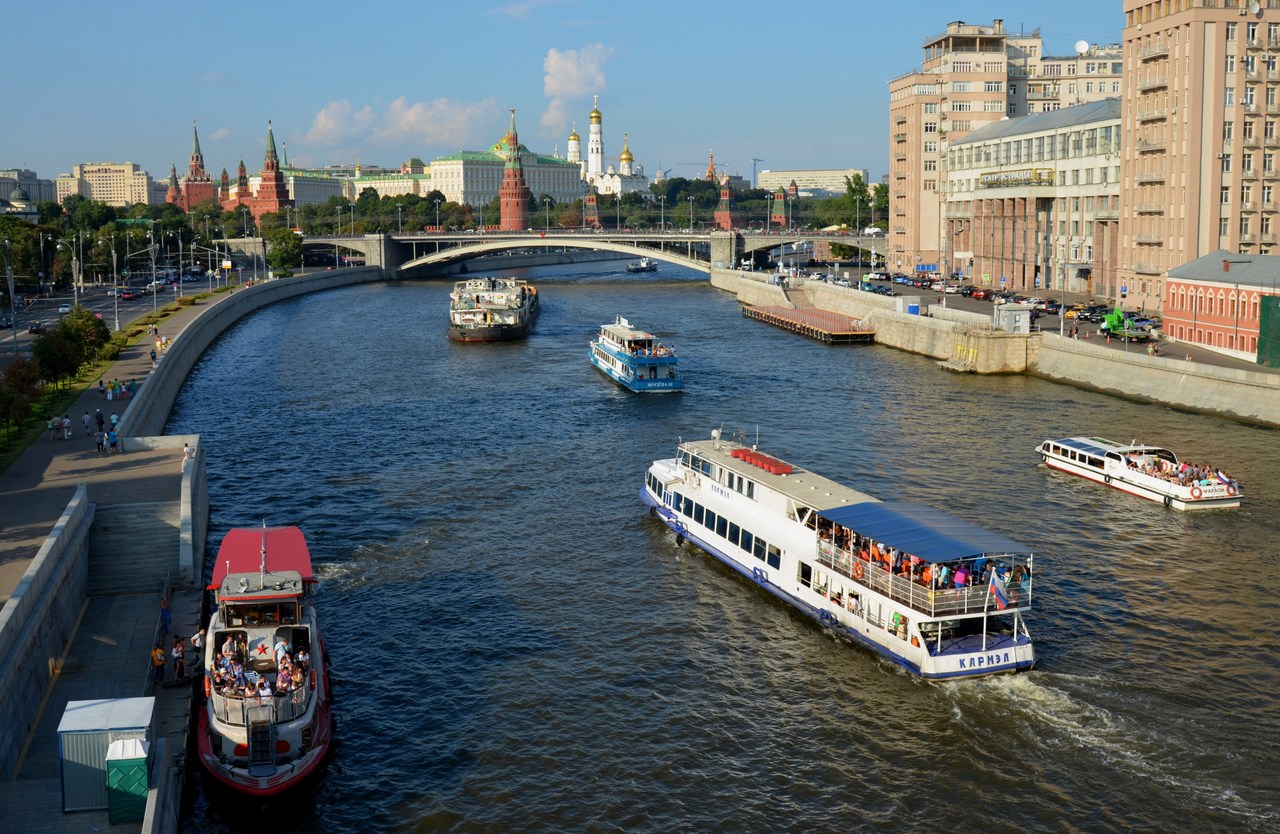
[[400, 253]]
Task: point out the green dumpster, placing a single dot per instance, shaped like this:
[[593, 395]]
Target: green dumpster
[[127, 780]]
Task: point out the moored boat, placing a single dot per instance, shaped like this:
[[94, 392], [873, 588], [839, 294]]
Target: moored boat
[[265, 725], [492, 309], [936, 595], [643, 265], [1150, 472], [635, 359]]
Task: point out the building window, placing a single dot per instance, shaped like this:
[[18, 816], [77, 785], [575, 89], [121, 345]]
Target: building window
[[1224, 227], [931, 165], [1246, 163], [931, 108], [930, 127], [1231, 32], [1226, 195], [1266, 195], [1013, 89], [1229, 96], [1231, 64], [993, 107], [930, 147], [993, 87], [1226, 163], [1228, 131]]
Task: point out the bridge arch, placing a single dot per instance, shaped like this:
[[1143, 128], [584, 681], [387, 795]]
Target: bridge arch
[[474, 248]]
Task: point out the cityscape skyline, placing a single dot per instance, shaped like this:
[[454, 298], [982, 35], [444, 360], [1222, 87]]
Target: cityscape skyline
[[807, 104]]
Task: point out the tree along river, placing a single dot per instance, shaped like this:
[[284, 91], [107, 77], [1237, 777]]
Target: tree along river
[[518, 646]]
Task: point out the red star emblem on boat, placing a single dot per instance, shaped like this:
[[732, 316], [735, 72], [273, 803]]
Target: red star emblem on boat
[[262, 648]]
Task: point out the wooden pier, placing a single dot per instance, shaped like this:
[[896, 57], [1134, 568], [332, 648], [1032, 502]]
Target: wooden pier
[[825, 326]]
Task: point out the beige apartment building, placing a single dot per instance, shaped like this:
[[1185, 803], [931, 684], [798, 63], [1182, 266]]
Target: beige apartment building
[[813, 182], [971, 76], [1201, 105], [1031, 203], [113, 183]]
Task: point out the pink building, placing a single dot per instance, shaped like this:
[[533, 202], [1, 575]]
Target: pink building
[[1216, 301]]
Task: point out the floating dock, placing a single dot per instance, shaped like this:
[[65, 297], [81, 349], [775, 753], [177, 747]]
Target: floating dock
[[825, 326]]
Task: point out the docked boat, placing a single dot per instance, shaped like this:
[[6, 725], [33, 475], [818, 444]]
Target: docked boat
[[492, 309], [643, 265], [265, 724], [936, 595], [1149, 472], [634, 359]]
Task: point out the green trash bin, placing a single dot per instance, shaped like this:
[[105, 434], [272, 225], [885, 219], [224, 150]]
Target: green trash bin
[[127, 780]]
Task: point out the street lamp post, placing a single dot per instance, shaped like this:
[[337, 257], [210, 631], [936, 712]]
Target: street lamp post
[[152, 249], [399, 219], [337, 230], [13, 306], [353, 219], [691, 213], [115, 281], [662, 212], [546, 204], [70, 246]]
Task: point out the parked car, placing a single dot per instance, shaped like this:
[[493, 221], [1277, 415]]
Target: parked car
[[63, 309], [1052, 308], [6, 323]]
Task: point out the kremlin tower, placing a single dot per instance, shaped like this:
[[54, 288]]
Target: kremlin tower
[[575, 146], [595, 141], [273, 194], [198, 186], [514, 194]]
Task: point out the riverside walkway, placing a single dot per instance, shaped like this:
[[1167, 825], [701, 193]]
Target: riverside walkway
[[108, 655]]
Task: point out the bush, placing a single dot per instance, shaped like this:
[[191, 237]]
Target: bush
[[110, 352], [186, 301]]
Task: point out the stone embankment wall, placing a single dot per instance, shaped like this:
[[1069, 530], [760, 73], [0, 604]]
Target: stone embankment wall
[[37, 622], [1253, 396]]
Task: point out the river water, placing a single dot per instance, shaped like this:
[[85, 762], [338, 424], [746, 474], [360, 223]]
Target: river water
[[518, 646]]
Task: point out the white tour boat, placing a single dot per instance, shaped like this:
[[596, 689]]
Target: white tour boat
[[1149, 472], [263, 628], [937, 595], [635, 359]]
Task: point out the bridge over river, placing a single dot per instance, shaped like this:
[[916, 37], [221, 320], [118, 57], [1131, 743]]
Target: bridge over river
[[417, 253]]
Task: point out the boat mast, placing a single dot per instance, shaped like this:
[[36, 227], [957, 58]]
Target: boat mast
[[262, 562]]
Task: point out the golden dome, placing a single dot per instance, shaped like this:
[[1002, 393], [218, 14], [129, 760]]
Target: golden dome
[[595, 110], [625, 156], [574, 137]]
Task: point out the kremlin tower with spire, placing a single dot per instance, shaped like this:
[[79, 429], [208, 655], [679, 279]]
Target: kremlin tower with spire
[[513, 195], [197, 186]]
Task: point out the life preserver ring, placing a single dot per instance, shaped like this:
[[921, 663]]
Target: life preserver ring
[[679, 539], [1168, 500], [915, 641], [1231, 491], [1196, 492], [206, 686], [857, 570], [1106, 479]]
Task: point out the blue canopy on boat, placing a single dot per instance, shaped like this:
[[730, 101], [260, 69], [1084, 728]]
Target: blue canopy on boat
[[920, 531]]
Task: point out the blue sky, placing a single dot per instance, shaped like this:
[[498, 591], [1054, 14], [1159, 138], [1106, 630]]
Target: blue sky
[[797, 84]]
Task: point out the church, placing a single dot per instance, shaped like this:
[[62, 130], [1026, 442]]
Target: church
[[626, 178]]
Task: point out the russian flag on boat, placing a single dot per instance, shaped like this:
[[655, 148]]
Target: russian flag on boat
[[998, 590], [1222, 479]]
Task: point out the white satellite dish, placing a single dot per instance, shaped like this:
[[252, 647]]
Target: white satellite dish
[[1082, 47], [1254, 7]]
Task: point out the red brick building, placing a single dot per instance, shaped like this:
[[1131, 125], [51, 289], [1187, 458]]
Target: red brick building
[[1216, 301], [198, 186]]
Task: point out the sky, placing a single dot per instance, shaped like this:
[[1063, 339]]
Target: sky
[[796, 84]]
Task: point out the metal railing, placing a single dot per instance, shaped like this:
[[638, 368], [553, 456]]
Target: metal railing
[[238, 710], [932, 602]]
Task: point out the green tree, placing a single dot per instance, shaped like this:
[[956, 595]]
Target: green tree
[[284, 249], [57, 355], [86, 330], [19, 390]]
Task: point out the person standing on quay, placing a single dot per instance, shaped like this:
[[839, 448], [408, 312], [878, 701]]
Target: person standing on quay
[[88, 423], [157, 663]]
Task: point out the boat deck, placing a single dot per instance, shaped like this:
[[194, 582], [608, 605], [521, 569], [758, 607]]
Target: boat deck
[[823, 325]]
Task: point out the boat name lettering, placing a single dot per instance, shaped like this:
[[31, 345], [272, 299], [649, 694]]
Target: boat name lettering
[[719, 490], [984, 660]]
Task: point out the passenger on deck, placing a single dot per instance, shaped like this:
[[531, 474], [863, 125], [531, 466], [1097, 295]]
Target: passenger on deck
[[303, 659], [962, 576]]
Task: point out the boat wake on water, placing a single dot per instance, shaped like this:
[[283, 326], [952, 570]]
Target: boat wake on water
[[1044, 717]]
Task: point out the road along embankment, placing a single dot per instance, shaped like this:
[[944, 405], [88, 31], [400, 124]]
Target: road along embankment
[[968, 341]]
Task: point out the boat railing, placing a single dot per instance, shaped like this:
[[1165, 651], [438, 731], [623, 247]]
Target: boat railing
[[934, 602], [239, 709]]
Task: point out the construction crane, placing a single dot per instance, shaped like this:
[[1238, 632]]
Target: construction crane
[[753, 171]]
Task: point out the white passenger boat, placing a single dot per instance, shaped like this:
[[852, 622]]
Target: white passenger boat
[[643, 265], [937, 595], [264, 628], [492, 309], [634, 359], [1149, 472]]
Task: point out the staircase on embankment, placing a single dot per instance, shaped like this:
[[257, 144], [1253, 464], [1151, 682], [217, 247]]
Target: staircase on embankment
[[133, 548]]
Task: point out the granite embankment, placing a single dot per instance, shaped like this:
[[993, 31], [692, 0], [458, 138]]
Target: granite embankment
[[969, 342]]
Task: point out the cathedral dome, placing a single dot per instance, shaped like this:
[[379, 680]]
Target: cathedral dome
[[625, 156], [19, 196], [574, 137], [595, 114]]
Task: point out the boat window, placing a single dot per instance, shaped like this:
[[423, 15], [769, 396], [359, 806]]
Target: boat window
[[758, 547], [710, 523], [722, 526], [747, 541], [734, 530], [688, 506], [673, 498], [697, 513], [805, 574], [1095, 462], [774, 558], [751, 489]]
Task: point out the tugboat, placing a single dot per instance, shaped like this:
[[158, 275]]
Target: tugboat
[[266, 723], [934, 594], [492, 309], [643, 265], [634, 359]]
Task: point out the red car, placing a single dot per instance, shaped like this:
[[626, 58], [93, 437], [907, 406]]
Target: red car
[[128, 295], [981, 293]]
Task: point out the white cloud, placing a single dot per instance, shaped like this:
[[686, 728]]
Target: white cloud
[[220, 134], [337, 122], [442, 121], [571, 74]]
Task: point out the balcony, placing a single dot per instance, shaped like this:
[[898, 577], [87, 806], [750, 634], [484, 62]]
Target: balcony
[[899, 230], [1153, 115], [1044, 95], [1248, 206], [1253, 43], [1249, 175], [899, 137], [958, 213], [1106, 214], [1152, 84], [1273, 107], [900, 120], [1252, 142], [1273, 43], [899, 194], [1246, 238], [1147, 269], [1149, 208], [901, 157], [1158, 50], [1149, 177], [1150, 145], [1149, 240], [1268, 237], [1250, 106]]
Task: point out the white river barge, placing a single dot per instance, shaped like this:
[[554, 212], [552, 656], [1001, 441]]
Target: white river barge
[[937, 595]]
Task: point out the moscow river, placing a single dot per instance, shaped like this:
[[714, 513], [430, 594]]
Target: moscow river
[[518, 646]]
